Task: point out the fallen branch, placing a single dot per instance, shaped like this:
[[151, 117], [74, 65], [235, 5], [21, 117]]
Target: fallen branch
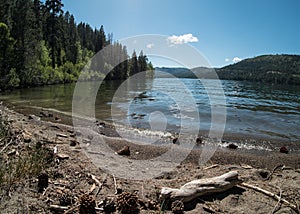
[[266, 192], [277, 204], [201, 187], [7, 145], [211, 167]]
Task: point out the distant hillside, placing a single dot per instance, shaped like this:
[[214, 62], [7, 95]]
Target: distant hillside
[[199, 72], [283, 69]]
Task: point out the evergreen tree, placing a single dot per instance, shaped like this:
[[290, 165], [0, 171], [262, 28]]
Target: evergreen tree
[[54, 7]]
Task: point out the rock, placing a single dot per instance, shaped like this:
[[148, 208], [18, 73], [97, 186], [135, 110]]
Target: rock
[[73, 143], [199, 141], [124, 151], [175, 140], [57, 118], [232, 146], [50, 115], [283, 149]]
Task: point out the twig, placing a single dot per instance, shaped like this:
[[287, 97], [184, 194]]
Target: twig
[[266, 192], [115, 183], [275, 208], [7, 145], [211, 167], [100, 187], [276, 167]]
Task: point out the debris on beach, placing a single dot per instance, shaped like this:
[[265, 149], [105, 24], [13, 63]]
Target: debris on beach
[[124, 151], [284, 150], [232, 146]]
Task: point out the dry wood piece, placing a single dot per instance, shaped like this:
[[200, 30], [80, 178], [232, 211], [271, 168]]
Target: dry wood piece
[[200, 187], [266, 192]]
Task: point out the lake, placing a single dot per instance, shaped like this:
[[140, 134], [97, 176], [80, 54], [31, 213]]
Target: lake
[[253, 110]]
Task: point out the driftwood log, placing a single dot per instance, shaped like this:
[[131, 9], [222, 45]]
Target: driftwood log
[[206, 186]]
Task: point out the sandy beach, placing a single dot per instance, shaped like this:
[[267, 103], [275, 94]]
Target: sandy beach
[[73, 173]]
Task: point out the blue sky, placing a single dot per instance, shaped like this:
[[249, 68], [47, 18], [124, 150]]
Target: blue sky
[[222, 30]]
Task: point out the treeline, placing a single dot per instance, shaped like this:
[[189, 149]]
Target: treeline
[[279, 69], [41, 44]]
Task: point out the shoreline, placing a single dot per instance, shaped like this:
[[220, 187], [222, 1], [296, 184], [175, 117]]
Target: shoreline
[[223, 155], [244, 142]]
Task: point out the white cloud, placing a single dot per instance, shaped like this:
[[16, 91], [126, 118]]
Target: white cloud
[[182, 39], [227, 60], [236, 59], [150, 45]]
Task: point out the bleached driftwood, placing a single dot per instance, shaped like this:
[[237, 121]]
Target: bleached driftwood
[[201, 187]]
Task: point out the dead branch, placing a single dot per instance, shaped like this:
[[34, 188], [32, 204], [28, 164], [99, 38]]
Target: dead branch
[[211, 167], [201, 187], [7, 145], [266, 192], [277, 204]]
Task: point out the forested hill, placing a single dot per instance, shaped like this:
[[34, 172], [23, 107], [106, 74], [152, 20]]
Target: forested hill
[[284, 69], [41, 44]]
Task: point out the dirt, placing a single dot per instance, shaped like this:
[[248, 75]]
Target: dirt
[[73, 173]]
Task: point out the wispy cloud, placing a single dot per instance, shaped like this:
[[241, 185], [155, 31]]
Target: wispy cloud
[[182, 39], [236, 59], [227, 60], [151, 45]]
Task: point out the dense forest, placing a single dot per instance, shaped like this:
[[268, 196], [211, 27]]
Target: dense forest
[[41, 44], [283, 69]]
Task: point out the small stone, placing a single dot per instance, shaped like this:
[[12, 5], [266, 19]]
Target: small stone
[[73, 143], [57, 118], [283, 149], [199, 141], [175, 140], [124, 151], [232, 146]]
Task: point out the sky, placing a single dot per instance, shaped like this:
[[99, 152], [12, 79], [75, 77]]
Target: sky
[[224, 31]]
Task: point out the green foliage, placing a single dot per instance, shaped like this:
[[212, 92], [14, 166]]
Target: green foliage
[[13, 79], [41, 44], [284, 69]]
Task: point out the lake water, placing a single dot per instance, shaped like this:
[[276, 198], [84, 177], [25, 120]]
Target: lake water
[[257, 110]]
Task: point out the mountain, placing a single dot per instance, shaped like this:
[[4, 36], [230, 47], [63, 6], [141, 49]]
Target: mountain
[[283, 69], [199, 72]]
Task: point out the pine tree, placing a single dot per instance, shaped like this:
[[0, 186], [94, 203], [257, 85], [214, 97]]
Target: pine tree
[[54, 7]]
